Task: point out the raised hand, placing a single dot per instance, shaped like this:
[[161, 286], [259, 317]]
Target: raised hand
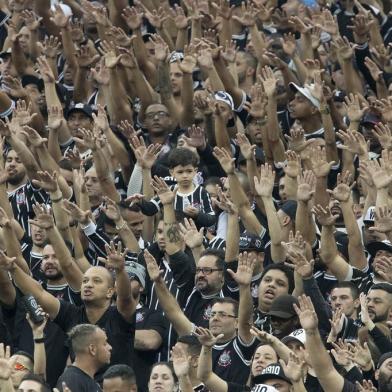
[[181, 21], [225, 204], [43, 216], [293, 164], [341, 353], [297, 141], [119, 37], [31, 20], [382, 266], [385, 107], [59, 18], [133, 18], [196, 137], [180, 361], [76, 213], [14, 86], [247, 150], [166, 195], [38, 329], [263, 336], [306, 313], [127, 129], [55, 118], [353, 141], [294, 368], [156, 17], [108, 50], [373, 68], [355, 107], [360, 354], [87, 139], [381, 171], [265, 184], [86, 56], [383, 221], [225, 160], [324, 216], [384, 135], [206, 338], [366, 386], [22, 113], [289, 44], [244, 274], [45, 70], [46, 181], [111, 210], [6, 362], [33, 136], [269, 81], [257, 106], [7, 263], [115, 257], [145, 156], [337, 323], [192, 237], [160, 46], [247, 17], [365, 318], [73, 156], [342, 191], [306, 186], [152, 266], [320, 166]]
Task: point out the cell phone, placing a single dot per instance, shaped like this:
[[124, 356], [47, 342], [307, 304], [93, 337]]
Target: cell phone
[[32, 309]]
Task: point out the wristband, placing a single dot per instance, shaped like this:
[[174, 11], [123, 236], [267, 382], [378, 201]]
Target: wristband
[[40, 340], [57, 200]]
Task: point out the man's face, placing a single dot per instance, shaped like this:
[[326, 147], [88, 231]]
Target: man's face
[[300, 107], [157, 120], [103, 348], [135, 221], [280, 385], [38, 235], [377, 262], [255, 131], [35, 95], [273, 285], [76, 120], [379, 305], [297, 348], [24, 38], [223, 320], [50, 265], [96, 286], [282, 327], [205, 282], [176, 78], [341, 298], [160, 237], [14, 168], [7, 66], [282, 189], [92, 183], [29, 386], [23, 366], [117, 384], [183, 174], [384, 376]]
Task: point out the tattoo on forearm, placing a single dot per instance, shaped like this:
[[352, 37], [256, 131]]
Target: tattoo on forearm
[[172, 232]]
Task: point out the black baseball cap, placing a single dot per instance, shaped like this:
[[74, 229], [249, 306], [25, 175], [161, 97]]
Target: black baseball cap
[[251, 242], [273, 371], [383, 358], [282, 306], [375, 246], [31, 79], [81, 107]]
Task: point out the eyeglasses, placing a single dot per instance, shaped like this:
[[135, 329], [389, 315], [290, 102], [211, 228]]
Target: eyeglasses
[[160, 114], [19, 367], [206, 270], [221, 315]]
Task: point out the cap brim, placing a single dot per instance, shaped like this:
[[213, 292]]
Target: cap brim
[[374, 247], [265, 377], [305, 92], [288, 339], [281, 314], [78, 110]]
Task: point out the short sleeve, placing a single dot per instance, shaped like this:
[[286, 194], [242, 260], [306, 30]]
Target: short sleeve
[[68, 316]]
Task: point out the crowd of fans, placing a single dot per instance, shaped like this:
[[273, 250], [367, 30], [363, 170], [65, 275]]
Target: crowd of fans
[[196, 195]]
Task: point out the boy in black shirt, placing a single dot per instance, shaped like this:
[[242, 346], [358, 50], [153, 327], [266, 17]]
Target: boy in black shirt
[[92, 351]]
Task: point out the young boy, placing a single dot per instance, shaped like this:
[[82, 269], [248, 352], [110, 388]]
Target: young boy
[[191, 200]]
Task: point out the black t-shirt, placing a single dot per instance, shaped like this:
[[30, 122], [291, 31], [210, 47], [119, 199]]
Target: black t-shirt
[[77, 380], [120, 333], [231, 360], [348, 386], [148, 319]]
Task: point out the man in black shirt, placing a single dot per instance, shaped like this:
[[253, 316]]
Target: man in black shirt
[[119, 378], [97, 290], [92, 351]]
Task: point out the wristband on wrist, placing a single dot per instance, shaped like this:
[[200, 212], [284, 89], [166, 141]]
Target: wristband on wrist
[[57, 200], [39, 340]]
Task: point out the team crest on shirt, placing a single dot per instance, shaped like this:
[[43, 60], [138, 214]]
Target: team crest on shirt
[[20, 198], [255, 290], [139, 317], [225, 359], [207, 313]]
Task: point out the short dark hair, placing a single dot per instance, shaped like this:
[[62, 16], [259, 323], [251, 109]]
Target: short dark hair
[[348, 285], [212, 181], [181, 156], [81, 336], [285, 269], [125, 372], [218, 253], [382, 286], [194, 346], [227, 300], [25, 354], [34, 377], [65, 164]]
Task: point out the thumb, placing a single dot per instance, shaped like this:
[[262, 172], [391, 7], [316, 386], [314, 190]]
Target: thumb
[[231, 273]]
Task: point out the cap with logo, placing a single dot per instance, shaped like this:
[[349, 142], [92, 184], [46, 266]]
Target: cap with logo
[[251, 242], [136, 271], [272, 371], [282, 306], [298, 335], [223, 96], [369, 217], [81, 107]]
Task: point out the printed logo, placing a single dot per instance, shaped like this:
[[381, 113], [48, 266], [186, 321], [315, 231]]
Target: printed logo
[[139, 317], [225, 359], [207, 313], [20, 198]]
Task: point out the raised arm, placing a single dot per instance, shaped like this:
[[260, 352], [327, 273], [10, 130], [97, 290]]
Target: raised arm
[[170, 306]]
